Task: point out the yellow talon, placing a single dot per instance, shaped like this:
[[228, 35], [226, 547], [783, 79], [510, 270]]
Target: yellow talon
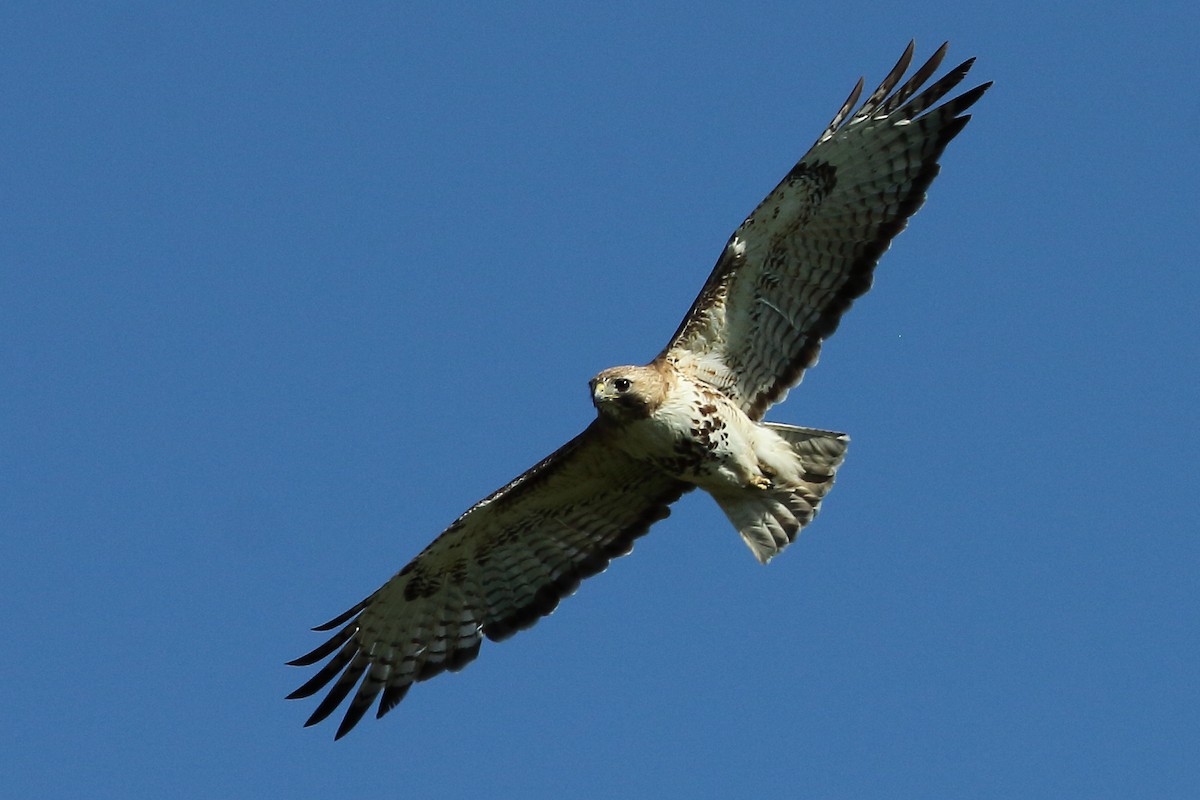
[[760, 482]]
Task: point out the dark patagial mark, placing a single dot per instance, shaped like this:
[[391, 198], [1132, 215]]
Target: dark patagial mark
[[422, 584]]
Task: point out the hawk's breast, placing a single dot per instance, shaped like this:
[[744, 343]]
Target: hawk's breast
[[696, 434]]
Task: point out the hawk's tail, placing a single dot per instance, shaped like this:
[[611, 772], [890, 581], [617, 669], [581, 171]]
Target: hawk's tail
[[769, 519]]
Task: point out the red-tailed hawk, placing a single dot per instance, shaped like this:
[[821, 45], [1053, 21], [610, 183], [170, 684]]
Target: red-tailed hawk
[[691, 417]]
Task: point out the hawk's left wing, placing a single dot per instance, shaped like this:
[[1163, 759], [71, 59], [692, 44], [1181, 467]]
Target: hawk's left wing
[[500, 567], [793, 267]]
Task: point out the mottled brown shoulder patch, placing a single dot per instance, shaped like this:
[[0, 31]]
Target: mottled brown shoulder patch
[[422, 584]]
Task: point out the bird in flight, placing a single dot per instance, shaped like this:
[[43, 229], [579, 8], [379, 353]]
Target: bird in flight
[[692, 417]]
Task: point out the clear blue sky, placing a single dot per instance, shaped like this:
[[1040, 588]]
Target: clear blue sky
[[287, 287]]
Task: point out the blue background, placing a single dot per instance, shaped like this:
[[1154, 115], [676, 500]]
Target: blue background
[[286, 287]]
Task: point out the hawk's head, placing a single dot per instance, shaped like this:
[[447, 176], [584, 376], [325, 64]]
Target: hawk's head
[[628, 392]]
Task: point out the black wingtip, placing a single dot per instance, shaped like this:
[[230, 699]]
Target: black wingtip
[[325, 649], [392, 695], [343, 617], [358, 707], [969, 97], [339, 692]]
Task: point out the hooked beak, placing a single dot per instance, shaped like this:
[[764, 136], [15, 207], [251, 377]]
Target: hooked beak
[[600, 392]]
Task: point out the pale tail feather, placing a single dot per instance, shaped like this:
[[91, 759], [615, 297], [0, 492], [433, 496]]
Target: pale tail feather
[[769, 519]]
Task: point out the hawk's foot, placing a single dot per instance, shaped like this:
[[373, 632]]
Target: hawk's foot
[[760, 482]]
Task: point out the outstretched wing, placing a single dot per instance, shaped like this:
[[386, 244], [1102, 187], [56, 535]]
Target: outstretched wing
[[501, 566], [794, 266]]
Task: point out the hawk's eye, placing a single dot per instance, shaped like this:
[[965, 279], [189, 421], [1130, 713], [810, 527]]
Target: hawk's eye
[[621, 384]]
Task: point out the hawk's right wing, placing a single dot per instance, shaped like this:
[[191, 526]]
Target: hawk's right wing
[[794, 266]]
